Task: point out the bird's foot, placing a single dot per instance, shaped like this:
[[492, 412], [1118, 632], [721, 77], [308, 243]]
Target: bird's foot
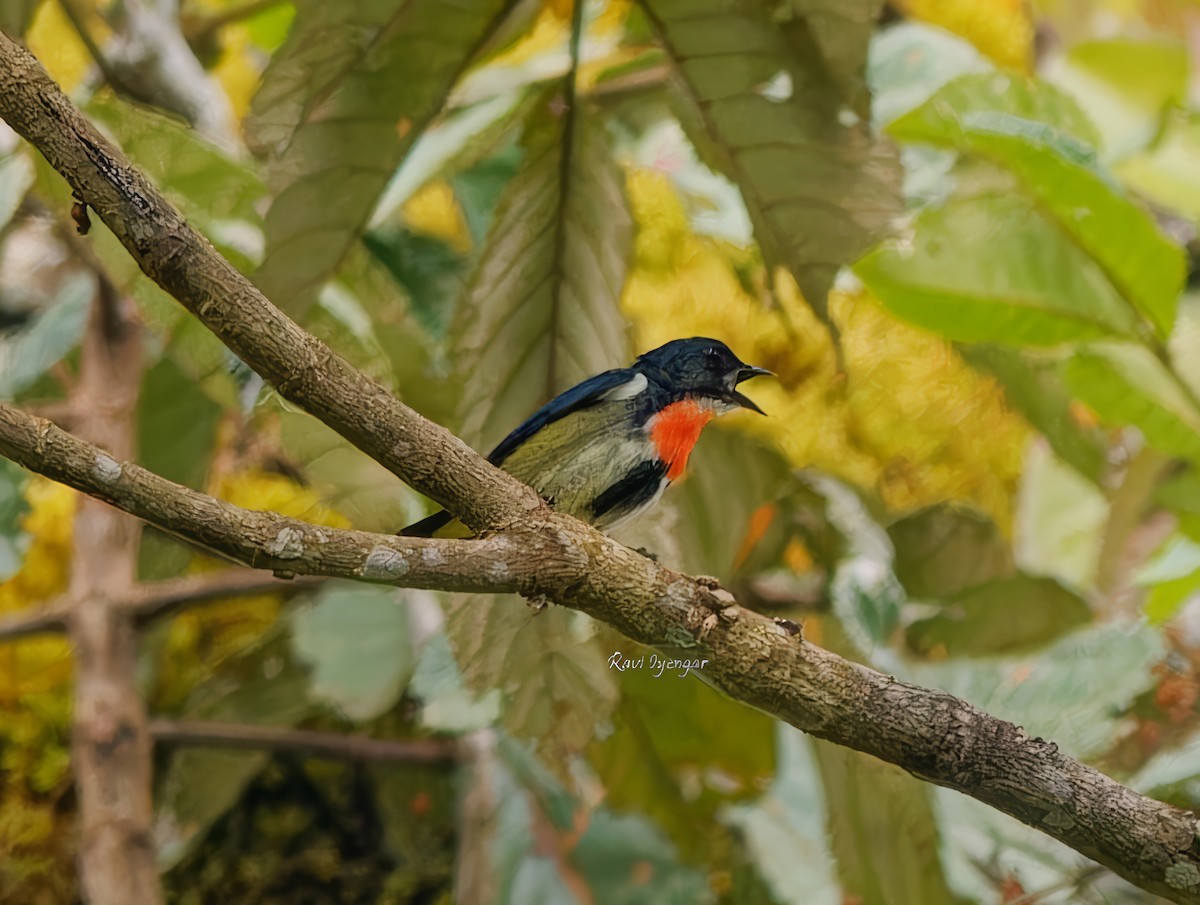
[[646, 553], [537, 602], [709, 581]]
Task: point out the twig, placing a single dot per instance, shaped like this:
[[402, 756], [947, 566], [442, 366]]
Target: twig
[[198, 29], [312, 743]]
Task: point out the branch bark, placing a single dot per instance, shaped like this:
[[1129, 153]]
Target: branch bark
[[929, 733]]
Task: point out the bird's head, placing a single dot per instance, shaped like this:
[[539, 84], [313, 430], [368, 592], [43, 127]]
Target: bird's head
[[702, 367]]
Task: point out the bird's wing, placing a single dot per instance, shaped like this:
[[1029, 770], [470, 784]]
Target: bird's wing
[[594, 389]]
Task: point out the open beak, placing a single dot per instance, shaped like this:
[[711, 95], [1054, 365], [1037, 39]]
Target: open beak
[[745, 373]]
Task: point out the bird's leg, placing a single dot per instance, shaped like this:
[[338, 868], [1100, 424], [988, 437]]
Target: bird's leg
[[653, 557], [536, 602]]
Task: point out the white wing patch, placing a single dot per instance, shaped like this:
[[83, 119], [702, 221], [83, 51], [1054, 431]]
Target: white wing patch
[[626, 390]]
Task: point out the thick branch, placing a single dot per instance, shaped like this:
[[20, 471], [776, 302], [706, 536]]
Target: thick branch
[[301, 367], [927, 732], [310, 743]]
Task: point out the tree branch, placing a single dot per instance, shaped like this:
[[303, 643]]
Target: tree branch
[[929, 733], [308, 742], [146, 601]]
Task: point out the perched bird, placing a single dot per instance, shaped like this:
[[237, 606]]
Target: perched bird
[[606, 449]]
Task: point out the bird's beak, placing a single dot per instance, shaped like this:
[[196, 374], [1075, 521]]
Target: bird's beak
[[745, 373]]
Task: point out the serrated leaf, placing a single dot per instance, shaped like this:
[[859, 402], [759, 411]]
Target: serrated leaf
[[26, 354], [553, 676], [945, 549], [383, 72], [1125, 384], [883, 833], [1035, 389], [1002, 616], [176, 425], [762, 103], [354, 638], [993, 269], [1074, 692], [1039, 136], [541, 312]]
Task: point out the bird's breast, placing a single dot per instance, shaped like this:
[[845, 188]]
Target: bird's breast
[[674, 431]]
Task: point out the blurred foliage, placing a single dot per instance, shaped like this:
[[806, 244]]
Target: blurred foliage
[[963, 236]]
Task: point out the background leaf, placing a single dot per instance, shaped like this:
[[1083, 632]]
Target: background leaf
[[423, 46], [762, 103], [992, 269], [355, 640]]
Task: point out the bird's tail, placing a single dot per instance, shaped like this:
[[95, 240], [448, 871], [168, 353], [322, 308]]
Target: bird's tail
[[440, 524]]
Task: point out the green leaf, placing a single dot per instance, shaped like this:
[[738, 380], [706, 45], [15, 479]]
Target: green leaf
[[350, 92], [613, 856], [979, 99], [200, 784], [764, 106], [993, 269], [785, 830], [13, 506], [667, 733], [1180, 494], [1034, 388], [541, 312], [26, 354], [207, 185], [355, 640], [1166, 172], [1125, 85], [1172, 775], [15, 16], [1074, 692], [1002, 616], [16, 177], [944, 549], [177, 425], [910, 61], [883, 832], [1025, 129], [1172, 577], [1126, 384], [447, 705], [866, 595], [551, 671], [1060, 521]]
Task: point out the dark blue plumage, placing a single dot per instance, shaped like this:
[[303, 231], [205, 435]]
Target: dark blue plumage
[[606, 449]]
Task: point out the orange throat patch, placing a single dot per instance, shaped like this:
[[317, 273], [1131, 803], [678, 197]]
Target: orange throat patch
[[674, 432]]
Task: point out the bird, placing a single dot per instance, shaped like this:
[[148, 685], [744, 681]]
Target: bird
[[606, 449]]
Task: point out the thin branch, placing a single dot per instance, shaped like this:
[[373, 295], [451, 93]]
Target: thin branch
[[929, 733], [147, 601], [152, 600], [22, 625], [76, 16], [266, 540], [311, 743]]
